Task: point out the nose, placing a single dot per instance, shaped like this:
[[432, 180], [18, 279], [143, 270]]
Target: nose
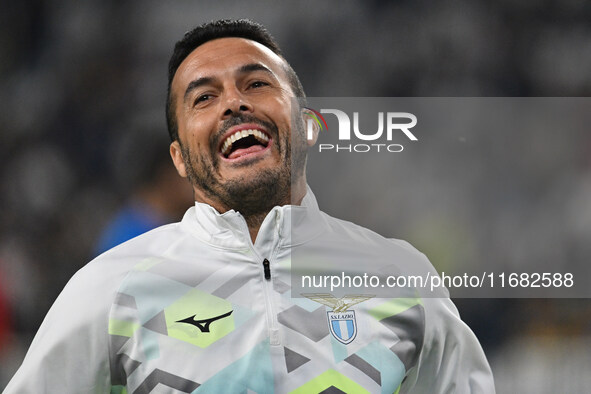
[[236, 103]]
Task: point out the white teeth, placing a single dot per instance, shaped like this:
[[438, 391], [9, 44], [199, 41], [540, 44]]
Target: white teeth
[[226, 146], [259, 135]]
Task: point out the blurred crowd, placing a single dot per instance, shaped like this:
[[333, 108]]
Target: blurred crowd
[[83, 87]]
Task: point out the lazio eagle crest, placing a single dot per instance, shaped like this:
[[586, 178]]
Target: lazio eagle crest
[[341, 321]]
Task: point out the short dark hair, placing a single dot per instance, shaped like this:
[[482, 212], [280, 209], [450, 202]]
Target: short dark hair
[[241, 28]]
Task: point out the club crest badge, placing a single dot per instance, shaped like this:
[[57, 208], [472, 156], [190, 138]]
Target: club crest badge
[[341, 321], [343, 326]]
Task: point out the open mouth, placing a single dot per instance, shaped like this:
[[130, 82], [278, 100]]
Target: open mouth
[[244, 142]]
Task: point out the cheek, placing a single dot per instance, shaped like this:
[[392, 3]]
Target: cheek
[[280, 111], [197, 132]]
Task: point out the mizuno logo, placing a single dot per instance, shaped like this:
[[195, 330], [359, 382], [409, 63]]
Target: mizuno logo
[[203, 324]]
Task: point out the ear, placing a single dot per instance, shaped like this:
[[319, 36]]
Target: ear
[[177, 158], [311, 127]]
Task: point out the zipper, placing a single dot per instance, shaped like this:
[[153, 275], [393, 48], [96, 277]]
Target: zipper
[[270, 312], [267, 269], [268, 293]]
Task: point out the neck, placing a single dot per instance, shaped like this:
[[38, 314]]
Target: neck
[[296, 195], [255, 219], [254, 224]]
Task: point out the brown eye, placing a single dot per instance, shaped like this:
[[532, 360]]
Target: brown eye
[[202, 98], [258, 84]]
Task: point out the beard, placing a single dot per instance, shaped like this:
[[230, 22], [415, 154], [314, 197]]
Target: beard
[[258, 193]]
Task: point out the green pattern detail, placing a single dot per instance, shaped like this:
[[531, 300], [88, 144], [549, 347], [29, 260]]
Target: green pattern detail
[[397, 390], [118, 390], [327, 379], [147, 264], [393, 307], [203, 306], [122, 327]]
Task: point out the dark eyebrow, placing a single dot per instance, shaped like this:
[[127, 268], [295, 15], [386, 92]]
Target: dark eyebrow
[[254, 67], [195, 84]]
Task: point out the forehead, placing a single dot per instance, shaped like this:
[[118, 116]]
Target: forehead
[[223, 56]]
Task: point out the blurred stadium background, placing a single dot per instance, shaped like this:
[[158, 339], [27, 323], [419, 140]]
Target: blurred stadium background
[[80, 81]]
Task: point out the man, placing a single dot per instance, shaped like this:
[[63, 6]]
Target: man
[[205, 305]]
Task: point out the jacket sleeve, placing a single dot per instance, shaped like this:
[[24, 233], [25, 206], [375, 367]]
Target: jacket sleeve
[[451, 360], [69, 353]]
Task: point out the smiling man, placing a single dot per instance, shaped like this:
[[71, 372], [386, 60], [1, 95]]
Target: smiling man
[[205, 305], [229, 113]]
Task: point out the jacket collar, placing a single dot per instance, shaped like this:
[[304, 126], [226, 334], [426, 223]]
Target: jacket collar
[[284, 226]]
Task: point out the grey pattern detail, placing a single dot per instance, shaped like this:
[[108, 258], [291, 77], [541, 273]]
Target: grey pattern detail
[[313, 324], [191, 275], [294, 360], [121, 367], [129, 364], [365, 367], [280, 286], [158, 376], [157, 324], [332, 390], [116, 342], [125, 300], [228, 288], [409, 327]]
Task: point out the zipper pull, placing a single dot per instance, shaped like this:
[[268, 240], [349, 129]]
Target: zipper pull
[[267, 269]]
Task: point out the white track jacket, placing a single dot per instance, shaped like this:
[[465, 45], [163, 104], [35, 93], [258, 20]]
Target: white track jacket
[[196, 307]]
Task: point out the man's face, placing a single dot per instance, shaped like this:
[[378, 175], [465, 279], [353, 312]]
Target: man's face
[[232, 101]]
